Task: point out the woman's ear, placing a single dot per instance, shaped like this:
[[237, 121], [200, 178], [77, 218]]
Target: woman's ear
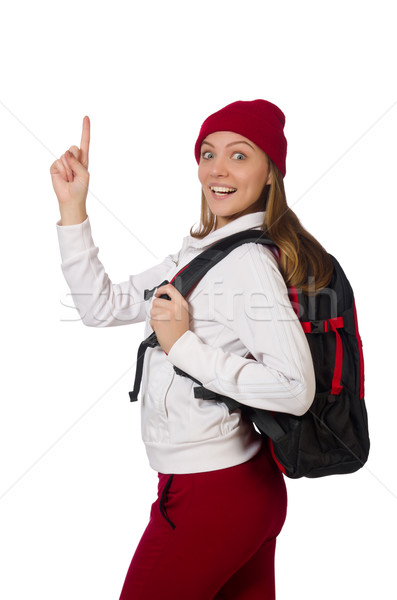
[[269, 179]]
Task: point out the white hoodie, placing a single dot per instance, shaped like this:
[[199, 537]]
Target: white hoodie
[[244, 341]]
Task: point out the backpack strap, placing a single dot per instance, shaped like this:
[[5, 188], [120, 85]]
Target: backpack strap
[[191, 273], [149, 342], [186, 279], [334, 325], [322, 326], [263, 419]]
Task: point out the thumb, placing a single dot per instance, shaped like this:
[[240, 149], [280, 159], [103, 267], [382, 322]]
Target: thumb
[[76, 166]]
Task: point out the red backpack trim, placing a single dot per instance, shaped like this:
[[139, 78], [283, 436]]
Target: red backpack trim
[[360, 352]]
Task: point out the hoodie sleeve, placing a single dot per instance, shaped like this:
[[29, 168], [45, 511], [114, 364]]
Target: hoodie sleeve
[[280, 376], [100, 302]]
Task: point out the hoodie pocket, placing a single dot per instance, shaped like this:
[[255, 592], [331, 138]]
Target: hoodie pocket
[[163, 501]]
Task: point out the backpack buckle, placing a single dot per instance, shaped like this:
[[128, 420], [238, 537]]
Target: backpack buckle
[[147, 294], [204, 393], [317, 326]]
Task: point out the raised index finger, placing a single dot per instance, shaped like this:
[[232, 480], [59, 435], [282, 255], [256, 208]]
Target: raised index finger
[[85, 141]]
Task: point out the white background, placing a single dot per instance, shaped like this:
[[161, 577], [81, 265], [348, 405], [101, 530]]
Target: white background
[[75, 484]]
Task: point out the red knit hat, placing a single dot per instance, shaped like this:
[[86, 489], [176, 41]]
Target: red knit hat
[[258, 120]]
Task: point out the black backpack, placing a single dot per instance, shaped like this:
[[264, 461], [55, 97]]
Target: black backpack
[[332, 436]]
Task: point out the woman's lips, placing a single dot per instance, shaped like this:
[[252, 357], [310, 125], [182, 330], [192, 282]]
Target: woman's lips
[[221, 196]]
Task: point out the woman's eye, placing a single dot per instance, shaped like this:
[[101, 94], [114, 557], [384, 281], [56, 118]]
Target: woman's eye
[[208, 154]]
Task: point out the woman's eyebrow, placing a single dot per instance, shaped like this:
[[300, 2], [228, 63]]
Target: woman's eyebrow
[[231, 144]]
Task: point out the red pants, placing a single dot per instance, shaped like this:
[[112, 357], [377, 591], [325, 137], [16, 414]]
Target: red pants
[[211, 535]]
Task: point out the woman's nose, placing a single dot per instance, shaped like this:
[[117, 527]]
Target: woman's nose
[[218, 166]]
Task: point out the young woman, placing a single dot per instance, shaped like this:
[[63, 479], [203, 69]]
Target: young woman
[[221, 499]]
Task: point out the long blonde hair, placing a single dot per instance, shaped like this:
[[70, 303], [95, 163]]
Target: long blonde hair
[[300, 253]]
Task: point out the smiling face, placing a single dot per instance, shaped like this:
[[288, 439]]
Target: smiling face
[[233, 172]]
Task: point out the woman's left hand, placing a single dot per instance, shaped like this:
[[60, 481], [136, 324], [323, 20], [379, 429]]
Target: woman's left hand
[[169, 318]]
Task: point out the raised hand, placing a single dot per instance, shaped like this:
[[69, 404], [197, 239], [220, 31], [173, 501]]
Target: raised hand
[[70, 179]]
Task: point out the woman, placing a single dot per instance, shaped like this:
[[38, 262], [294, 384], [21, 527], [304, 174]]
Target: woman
[[221, 499]]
